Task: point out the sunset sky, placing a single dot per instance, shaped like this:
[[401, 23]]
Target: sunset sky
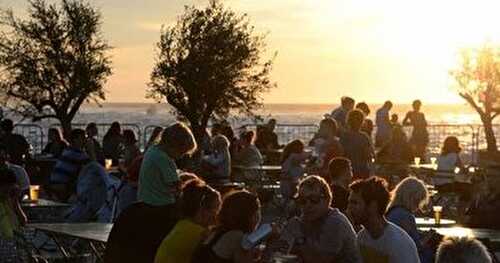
[[371, 50]]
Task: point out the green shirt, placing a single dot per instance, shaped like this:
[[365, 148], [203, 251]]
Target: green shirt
[[8, 220], [180, 244], [157, 178]]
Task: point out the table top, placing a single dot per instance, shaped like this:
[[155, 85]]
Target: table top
[[88, 231], [258, 167], [479, 233], [42, 203], [430, 222]]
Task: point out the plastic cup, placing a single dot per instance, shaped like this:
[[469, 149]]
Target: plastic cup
[[437, 214], [433, 160], [417, 161], [34, 192], [108, 163]]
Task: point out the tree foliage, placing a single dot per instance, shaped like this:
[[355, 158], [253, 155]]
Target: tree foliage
[[54, 60], [478, 79], [209, 64]]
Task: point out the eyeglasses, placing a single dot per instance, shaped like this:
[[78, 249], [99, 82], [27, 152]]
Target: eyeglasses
[[312, 199]]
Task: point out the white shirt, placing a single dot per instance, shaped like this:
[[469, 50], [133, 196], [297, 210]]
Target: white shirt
[[447, 162], [394, 246]]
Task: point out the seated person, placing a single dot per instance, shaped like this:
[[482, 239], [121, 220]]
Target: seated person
[[266, 137], [22, 178], [462, 250], [409, 196], [64, 177], [200, 205], [56, 143], [131, 150], [321, 234], [291, 168], [17, 146], [397, 150], [217, 165], [239, 215], [91, 191], [450, 155], [248, 155], [339, 178], [326, 143]]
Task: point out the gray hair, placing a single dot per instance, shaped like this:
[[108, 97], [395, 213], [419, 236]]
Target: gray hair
[[462, 250]]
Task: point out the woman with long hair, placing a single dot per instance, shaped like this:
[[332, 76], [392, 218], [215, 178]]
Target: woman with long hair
[[56, 143], [450, 155]]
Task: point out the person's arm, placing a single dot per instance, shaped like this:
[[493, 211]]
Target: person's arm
[[407, 120], [18, 211]]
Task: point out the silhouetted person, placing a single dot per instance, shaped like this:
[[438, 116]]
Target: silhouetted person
[[384, 127], [112, 143], [17, 146], [367, 126], [56, 143], [266, 137], [92, 146], [340, 113], [419, 136]]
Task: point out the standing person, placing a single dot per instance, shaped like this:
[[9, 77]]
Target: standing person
[[17, 146], [379, 240], [321, 233], [384, 126], [339, 178], [357, 146], [112, 142], [56, 143], [92, 146], [419, 136], [65, 174], [367, 126], [397, 150], [154, 138], [239, 215], [131, 150], [326, 143], [340, 113], [158, 178], [199, 204], [266, 137], [407, 198]]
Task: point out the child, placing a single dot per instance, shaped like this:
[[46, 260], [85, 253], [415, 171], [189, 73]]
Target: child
[[291, 168]]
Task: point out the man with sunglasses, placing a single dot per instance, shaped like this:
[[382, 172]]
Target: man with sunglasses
[[321, 233], [379, 240]]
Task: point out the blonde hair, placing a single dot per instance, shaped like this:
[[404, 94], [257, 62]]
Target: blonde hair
[[410, 193], [462, 250], [179, 137]]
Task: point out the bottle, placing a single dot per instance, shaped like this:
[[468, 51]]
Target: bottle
[[251, 240]]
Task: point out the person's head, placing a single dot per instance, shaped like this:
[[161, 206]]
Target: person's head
[[248, 137], [295, 146], [328, 127], [314, 198], [216, 129], [77, 138], [271, 124], [55, 135], [185, 177], [368, 199], [178, 140], [410, 193], [155, 135], [355, 119], [416, 105], [388, 105], [7, 126], [340, 171], [200, 202], [240, 211], [451, 145], [115, 129], [91, 129], [362, 106], [462, 250], [129, 137], [220, 143], [394, 118], [347, 103]]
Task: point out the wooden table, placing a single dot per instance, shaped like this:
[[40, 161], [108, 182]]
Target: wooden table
[[90, 232], [430, 222]]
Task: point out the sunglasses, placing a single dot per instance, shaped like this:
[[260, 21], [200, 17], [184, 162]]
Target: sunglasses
[[312, 199]]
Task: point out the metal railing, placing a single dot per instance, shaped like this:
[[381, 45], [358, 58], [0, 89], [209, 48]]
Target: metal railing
[[33, 133]]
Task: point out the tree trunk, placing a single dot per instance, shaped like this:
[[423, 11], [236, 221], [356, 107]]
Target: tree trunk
[[491, 141], [66, 128]]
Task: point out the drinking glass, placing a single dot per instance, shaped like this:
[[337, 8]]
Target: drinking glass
[[437, 213], [108, 163], [417, 161], [34, 192], [433, 161]]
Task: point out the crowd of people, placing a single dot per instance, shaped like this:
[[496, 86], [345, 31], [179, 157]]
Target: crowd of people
[[171, 209]]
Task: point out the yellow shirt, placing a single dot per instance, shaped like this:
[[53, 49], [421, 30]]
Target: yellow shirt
[[179, 245]]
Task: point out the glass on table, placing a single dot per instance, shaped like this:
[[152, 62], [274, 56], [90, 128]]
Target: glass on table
[[433, 161], [108, 163], [437, 213], [34, 192], [416, 160]]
